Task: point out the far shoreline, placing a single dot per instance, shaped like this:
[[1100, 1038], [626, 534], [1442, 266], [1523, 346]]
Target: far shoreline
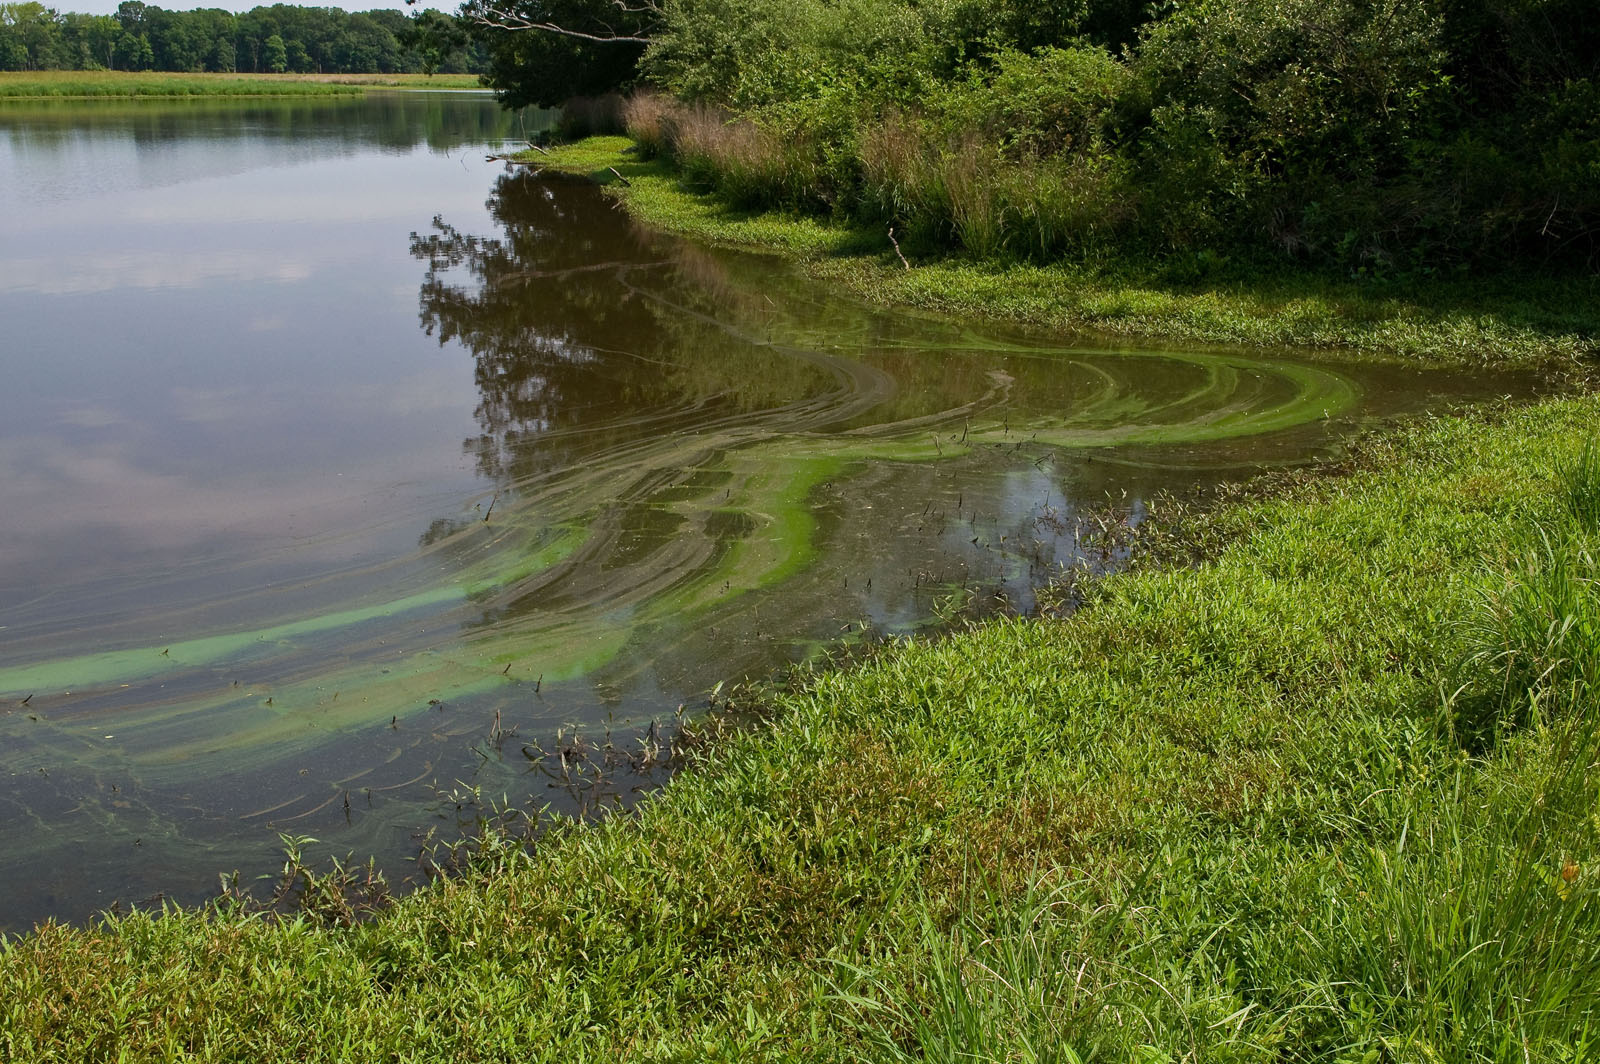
[[34, 86]]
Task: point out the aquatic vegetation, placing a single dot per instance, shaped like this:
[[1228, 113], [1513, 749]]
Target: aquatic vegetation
[[695, 467], [1219, 813]]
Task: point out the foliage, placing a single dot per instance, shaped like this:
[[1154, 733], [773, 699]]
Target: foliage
[[1370, 137], [277, 39], [434, 37], [534, 67], [1494, 321]]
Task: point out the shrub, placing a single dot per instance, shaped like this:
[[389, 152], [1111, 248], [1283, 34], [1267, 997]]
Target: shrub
[[1055, 102], [647, 118]]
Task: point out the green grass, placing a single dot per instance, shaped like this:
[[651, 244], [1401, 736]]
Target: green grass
[[1236, 811], [1499, 321], [110, 83]]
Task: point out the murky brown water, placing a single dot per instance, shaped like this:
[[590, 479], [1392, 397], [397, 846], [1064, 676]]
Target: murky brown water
[[323, 442]]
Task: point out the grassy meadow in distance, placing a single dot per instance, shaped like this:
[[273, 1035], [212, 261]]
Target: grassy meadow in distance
[[108, 83]]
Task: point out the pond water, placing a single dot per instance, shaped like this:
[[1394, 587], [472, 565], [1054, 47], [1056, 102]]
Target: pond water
[[339, 466]]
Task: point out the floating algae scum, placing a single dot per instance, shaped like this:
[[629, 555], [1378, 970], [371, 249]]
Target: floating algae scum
[[609, 471]]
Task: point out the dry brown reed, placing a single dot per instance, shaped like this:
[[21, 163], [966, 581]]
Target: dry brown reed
[[942, 188], [746, 163], [937, 187], [901, 174], [971, 178], [932, 185], [648, 119]]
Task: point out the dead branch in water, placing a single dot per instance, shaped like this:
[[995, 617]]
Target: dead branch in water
[[897, 250]]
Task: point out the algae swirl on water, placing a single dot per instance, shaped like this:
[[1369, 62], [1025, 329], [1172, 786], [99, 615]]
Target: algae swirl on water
[[694, 467], [657, 517]]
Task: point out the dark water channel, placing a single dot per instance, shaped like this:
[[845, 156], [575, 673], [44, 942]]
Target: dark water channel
[[327, 449]]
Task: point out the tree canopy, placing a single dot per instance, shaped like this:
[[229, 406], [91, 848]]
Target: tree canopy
[[1375, 134], [276, 39]]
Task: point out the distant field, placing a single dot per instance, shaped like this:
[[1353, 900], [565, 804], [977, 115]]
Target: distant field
[[94, 83]]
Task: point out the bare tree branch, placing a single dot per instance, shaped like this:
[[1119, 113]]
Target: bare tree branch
[[488, 14]]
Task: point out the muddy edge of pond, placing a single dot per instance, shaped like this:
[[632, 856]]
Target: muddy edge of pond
[[1516, 321]]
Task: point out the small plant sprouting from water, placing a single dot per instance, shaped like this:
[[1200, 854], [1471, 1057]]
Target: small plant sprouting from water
[[340, 896]]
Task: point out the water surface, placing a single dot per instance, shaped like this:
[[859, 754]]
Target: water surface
[[330, 453]]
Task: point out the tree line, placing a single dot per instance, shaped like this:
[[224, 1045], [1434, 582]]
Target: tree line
[[282, 38], [1366, 135]]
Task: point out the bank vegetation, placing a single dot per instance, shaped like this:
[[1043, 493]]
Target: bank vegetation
[[1314, 782]]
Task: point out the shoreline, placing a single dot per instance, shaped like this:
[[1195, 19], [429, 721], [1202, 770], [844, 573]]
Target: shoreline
[[77, 85], [1209, 815], [1538, 322], [1201, 754]]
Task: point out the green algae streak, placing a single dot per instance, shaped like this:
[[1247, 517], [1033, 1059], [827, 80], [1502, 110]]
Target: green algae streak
[[563, 575], [688, 467]]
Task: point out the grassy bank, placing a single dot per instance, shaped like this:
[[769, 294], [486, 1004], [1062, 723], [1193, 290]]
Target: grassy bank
[[65, 84], [1324, 797], [1544, 320]]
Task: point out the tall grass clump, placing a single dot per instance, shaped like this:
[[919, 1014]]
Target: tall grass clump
[[1055, 976], [938, 191], [747, 163], [1483, 942], [1476, 934], [962, 191], [1071, 207], [1539, 636], [1580, 486], [970, 176], [1536, 643], [647, 117], [903, 179]]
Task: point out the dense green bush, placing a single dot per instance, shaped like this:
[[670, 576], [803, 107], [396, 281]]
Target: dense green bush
[[1371, 136]]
